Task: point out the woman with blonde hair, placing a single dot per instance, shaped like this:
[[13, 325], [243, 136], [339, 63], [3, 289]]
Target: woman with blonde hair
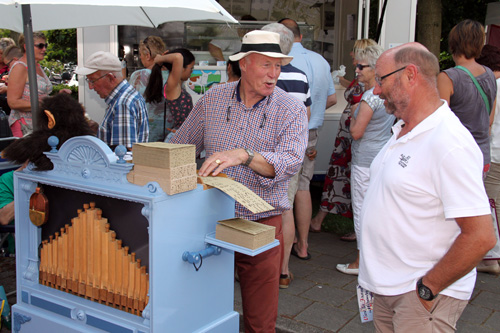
[[149, 48], [370, 129], [18, 94], [336, 197]]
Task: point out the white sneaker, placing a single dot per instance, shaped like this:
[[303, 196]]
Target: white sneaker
[[489, 266], [344, 268]]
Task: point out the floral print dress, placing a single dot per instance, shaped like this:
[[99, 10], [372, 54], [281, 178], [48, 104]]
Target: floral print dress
[[180, 108], [336, 196]]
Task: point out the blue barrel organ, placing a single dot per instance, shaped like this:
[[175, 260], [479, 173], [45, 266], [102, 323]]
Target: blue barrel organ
[[161, 285]]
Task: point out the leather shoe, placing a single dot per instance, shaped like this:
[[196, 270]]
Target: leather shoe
[[285, 280], [344, 268]]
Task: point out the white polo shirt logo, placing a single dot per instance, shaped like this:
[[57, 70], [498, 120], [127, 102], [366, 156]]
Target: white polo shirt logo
[[403, 160]]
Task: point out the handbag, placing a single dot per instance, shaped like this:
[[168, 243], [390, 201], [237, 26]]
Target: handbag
[[481, 91]]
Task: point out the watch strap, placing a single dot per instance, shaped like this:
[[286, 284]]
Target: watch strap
[[250, 157], [428, 291]]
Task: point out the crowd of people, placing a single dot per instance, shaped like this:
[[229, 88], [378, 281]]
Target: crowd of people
[[410, 161]]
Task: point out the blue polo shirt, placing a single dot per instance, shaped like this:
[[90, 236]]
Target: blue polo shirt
[[320, 80]]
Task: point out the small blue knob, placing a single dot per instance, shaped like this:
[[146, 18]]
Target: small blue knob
[[53, 141], [120, 151]]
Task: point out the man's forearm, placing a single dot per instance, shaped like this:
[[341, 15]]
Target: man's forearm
[[262, 167], [475, 240]]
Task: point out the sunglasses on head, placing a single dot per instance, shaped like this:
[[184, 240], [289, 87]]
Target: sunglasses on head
[[41, 46], [361, 67], [145, 42]]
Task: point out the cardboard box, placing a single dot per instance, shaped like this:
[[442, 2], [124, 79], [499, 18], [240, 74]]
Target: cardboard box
[[169, 186], [173, 173], [163, 155], [244, 233]]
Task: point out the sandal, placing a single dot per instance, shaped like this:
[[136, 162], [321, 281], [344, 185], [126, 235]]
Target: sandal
[[350, 237]]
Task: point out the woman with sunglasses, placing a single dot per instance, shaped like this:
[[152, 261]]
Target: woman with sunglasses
[[370, 129], [336, 196], [180, 63], [18, 94], [149, 48]]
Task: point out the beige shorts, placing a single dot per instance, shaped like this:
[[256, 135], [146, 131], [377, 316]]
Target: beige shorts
[[292, 188], [307, 170], [405, 313]]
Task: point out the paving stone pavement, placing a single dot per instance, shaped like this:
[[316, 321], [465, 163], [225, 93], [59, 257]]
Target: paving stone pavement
[[321, 299]]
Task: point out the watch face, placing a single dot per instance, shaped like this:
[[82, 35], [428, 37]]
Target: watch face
[[424, 293]]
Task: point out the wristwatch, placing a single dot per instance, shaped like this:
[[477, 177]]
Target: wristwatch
[[250, 157], [424, 292]]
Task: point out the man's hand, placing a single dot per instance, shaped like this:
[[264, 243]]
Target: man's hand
[[65, 91], [221, 160], [311, 153], [427, 304]]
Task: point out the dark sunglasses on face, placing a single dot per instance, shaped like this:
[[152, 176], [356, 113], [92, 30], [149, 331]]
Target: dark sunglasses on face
[[361, 67], [41, 46]]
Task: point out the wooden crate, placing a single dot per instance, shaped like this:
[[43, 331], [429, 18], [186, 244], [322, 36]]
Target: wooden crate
[[244, 233]]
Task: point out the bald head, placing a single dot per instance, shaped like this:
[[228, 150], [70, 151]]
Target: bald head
[[417, 54], [292, 25]]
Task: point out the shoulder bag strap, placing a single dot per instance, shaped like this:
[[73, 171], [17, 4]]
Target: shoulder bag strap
[[481, 91]]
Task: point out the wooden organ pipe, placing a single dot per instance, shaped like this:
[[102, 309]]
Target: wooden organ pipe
[[87, 260]]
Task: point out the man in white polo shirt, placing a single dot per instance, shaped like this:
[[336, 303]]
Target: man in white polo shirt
[[426, 215]]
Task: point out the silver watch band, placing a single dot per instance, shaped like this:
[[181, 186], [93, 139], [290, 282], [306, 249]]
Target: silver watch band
[[250, 157]]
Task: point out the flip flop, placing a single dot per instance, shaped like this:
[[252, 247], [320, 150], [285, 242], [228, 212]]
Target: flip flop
[[350, 237], [314, 230], [294, 253]]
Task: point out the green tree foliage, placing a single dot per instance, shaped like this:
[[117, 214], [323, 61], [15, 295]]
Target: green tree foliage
[[454, 11], [62, 45], [4, 33]]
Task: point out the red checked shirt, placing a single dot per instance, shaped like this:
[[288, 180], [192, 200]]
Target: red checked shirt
[[276, 127]]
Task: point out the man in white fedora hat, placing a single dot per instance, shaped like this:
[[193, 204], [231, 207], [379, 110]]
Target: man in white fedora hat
[[126, 120], [257, 134]]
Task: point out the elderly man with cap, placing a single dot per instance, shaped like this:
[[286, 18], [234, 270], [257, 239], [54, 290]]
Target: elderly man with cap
[[257, 134], [126, 120]]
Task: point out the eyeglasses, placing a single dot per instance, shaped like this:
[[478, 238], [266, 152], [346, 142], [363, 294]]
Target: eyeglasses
[[380, 79], [41, 46], [94, 81], [9, 62], [145, 42], [361, 67]]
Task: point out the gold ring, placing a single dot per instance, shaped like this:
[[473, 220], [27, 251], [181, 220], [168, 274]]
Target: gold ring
[[218, 161]]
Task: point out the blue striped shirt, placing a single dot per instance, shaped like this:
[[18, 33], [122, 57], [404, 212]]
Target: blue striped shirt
[[126, 118], [294, 81], [276, 127]]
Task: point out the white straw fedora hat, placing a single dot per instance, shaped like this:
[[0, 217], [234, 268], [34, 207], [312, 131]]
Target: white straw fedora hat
[[263, 42]]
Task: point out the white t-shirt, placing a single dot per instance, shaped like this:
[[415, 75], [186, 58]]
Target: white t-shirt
[[419, 184]]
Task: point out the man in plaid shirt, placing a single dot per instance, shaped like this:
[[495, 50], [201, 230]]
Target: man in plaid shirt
[[126, 118], [257, 134]]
